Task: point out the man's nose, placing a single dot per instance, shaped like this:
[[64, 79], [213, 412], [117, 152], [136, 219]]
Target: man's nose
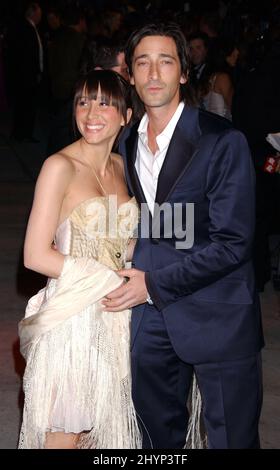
[[153, 72]]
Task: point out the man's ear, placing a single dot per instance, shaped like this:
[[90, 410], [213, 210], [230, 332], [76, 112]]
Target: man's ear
[[128, 116], [183, 79], [132, 82]]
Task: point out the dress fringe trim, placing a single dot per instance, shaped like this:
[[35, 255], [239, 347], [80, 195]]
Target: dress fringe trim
[[77, 377]]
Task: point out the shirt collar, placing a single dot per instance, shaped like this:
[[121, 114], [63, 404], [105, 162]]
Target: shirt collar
[[165, 136], [31, 22]]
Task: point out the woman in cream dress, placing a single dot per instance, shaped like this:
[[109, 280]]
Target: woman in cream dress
[[77, 380]]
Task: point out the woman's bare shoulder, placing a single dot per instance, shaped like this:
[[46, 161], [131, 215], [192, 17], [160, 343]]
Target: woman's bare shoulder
[[57, 172], [59, 162], [222, 78]]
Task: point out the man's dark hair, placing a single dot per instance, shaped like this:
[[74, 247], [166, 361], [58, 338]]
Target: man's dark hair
[[100, 55], [72, 14], [30, 8], [200, 35], [171, 30]]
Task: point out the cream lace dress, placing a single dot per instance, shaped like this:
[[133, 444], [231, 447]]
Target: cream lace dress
[[77, 376]]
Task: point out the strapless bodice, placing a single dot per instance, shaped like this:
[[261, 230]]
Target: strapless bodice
[[98, 229]]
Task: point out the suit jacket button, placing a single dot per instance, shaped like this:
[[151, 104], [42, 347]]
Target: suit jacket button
[[118, 254]]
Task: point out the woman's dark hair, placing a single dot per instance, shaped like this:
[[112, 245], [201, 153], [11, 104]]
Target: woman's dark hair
[[171, 30], [216, 62], [115, 90]]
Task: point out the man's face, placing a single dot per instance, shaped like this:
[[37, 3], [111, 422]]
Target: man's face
[[53, 21], [156, 71], [121, 68], [37, 15], [198, 51]]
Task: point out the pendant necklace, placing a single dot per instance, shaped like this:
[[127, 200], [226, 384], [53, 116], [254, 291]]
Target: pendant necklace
[[98, 180]]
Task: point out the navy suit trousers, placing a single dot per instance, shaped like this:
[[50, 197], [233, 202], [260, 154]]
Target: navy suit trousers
[[231, 392]]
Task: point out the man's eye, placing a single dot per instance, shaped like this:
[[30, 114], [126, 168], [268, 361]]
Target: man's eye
[[141, 63]]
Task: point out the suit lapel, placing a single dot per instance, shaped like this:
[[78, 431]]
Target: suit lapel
[[180, 153], [178, 157]]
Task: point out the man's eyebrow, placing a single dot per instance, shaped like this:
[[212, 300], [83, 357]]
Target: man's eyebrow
[[162, 55], [142, 56]]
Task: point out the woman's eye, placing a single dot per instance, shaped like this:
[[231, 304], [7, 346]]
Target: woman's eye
[[103, 104], [83, 103]]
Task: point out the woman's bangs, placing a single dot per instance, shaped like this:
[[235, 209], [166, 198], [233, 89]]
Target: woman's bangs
[[108, 89]]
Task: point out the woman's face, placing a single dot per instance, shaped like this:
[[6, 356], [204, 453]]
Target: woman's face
[[97, 120], [233, 57]]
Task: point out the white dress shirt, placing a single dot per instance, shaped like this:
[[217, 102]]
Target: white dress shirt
[[147, 164], [198, 69]]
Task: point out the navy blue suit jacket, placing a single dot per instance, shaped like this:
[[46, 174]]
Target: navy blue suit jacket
[[207, 292]]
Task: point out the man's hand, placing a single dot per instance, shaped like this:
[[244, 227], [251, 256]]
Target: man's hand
[[133, 292]]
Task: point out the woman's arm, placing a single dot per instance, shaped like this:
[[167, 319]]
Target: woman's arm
[[50, 191]]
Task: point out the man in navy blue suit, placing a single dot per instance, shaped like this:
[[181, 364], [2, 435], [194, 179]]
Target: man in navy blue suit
[[192, 289]]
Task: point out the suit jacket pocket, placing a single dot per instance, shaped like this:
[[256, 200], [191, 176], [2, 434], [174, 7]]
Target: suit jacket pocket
[[229, 291]]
